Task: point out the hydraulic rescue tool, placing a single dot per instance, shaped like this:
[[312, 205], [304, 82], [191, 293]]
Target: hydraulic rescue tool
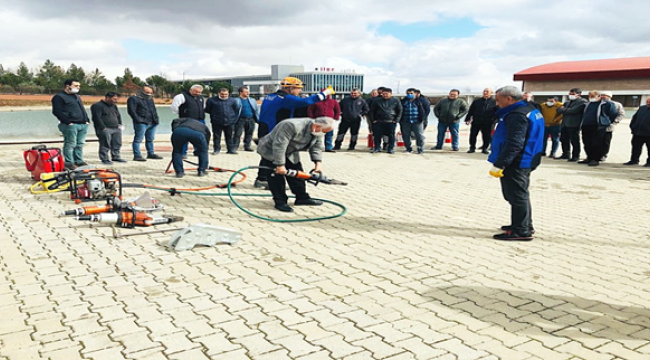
[[130, 219], [144, 203], [313, 177]]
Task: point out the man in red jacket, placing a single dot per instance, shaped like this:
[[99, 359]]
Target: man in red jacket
[[328, 108]]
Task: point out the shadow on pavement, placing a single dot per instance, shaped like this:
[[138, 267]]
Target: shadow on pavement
[[532, 313]]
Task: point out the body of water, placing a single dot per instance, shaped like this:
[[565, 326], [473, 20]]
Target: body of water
[[41, 124]]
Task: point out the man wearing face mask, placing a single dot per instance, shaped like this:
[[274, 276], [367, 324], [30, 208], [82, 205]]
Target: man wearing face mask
[[412, 121], [108, 127], [552, 124], [280, 151], [189, 104], [73, 123], [224, 113], [143, 111], [598, 115], [571, 118]]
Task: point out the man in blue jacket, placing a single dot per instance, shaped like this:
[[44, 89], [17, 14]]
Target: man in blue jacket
[[412, 121], [249, 114], [516, 151], [280, 106]]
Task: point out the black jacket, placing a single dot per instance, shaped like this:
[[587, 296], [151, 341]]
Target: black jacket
[[482, 111], [426, 105], [387, 111], [105, 116], [352, 109], [223, 112], [142, 109], [572, 112], [535, 105], [640, 124], [69, 109], [193, 125]]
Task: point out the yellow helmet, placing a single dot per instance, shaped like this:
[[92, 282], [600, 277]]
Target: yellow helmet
[[291, 82]]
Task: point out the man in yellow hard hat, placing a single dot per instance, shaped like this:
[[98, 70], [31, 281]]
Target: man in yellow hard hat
[[281, 105]]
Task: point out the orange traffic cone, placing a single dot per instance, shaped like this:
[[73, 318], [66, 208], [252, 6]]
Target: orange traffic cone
[[447, 137]]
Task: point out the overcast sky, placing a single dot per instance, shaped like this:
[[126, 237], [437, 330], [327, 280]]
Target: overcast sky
[[433, 45]]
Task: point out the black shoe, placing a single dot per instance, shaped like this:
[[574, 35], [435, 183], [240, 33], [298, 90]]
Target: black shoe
[[330, 150], [563, 157], [70, 167], [510, 236], [180, 175], [594, 163], [120, 160], [139, 158], [485, 151], [283, 207], [203, 173], [259, 184], [83, 163], [248, 148], [454, 149], [107, 162], [470, 151], [234, 152], [154, 157], [573, 160], [336, 148], [215, 152], [391, 151], [509, 228], [632, 163], [407, 151], [375, 151], [308, 202], [436, 148], [585, 161]]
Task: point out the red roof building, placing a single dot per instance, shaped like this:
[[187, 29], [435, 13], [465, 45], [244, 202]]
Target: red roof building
[[627, 78]]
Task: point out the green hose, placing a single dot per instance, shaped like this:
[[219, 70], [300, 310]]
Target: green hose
[[232, 195]]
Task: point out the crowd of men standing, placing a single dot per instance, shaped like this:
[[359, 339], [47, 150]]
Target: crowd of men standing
[[581, 122]]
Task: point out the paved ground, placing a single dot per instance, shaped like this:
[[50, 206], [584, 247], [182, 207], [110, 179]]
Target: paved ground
[[411, 272]]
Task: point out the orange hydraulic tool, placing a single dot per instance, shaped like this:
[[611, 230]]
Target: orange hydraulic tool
[[129, 219], [313, 177], [144, 203]]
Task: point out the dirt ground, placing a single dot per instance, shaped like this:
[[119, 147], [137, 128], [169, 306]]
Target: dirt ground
[[39, 100]]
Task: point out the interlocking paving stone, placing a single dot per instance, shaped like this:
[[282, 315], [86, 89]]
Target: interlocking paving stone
[[397, 277]]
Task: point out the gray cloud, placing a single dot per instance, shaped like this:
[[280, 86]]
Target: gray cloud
[[245, 37]]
